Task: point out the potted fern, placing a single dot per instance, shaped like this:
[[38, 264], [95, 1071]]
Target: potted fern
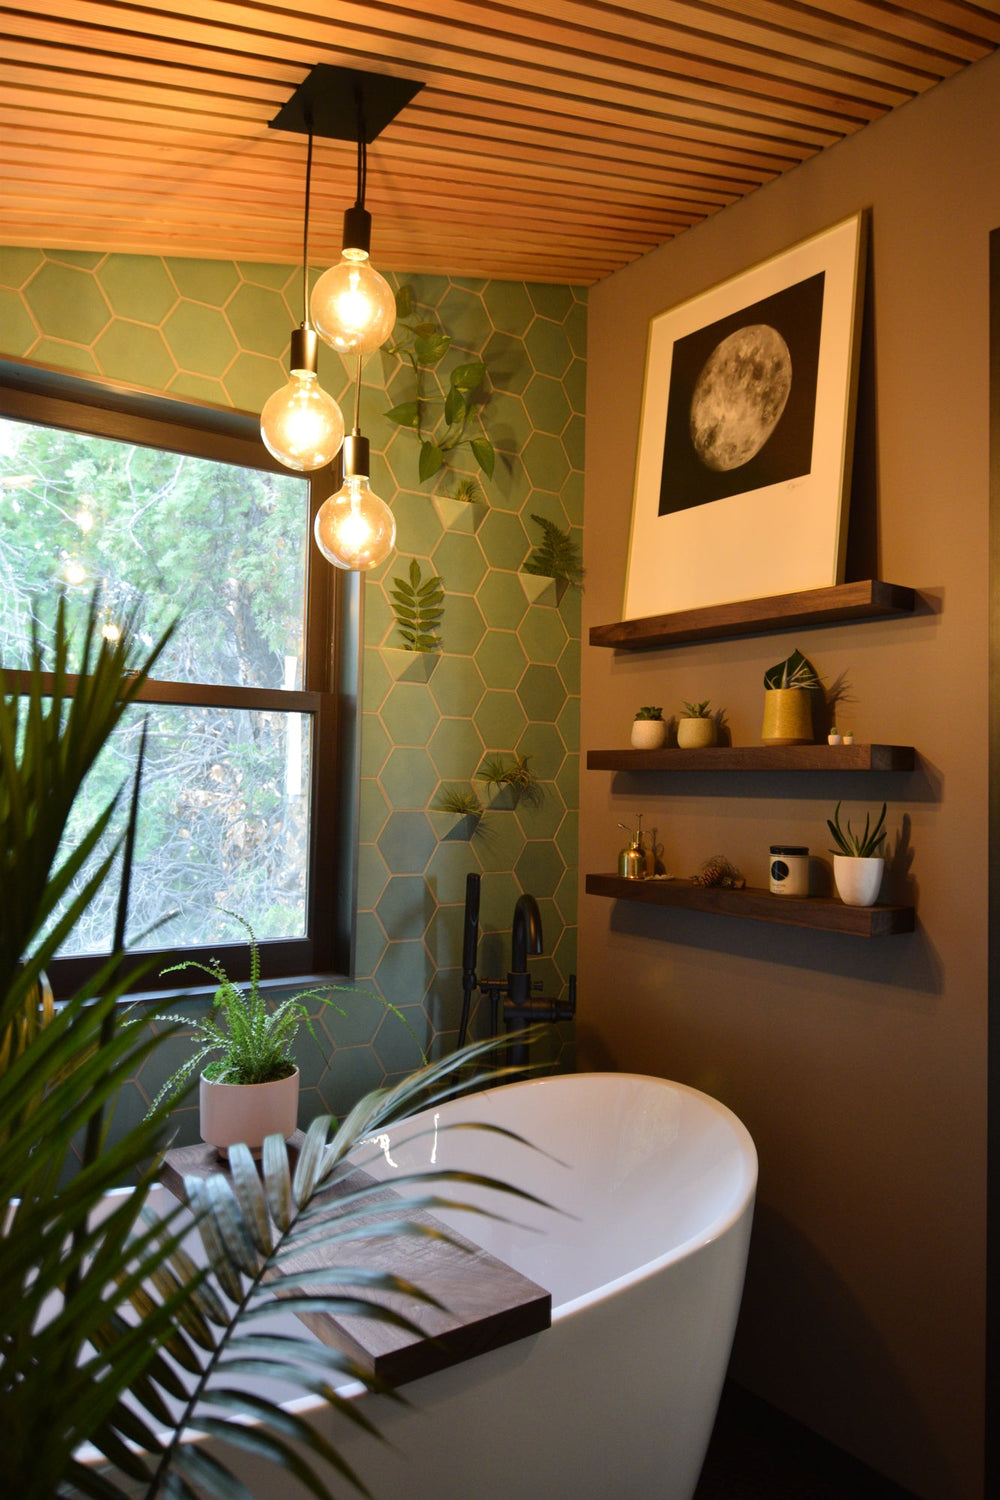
[[249, 1083], [418, 604], [857, 865]]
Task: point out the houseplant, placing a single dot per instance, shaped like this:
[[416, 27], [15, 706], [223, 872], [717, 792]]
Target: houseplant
[[649, 730], [556, 555], [131, 1317], [249, 1085], [418, 604], [513, 778], [788, 701], [696, 727], [857, 868]]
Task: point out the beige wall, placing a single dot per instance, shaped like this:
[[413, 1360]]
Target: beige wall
[[858, 1065]]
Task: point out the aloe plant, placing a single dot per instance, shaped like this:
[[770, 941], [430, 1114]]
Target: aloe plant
[[418, 604], [857, 845], [440, 429], [134, 1321]]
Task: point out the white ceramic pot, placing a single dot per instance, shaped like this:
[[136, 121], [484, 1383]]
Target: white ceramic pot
[[858, 880], [649, 734], [231, 1112], [695, 734]]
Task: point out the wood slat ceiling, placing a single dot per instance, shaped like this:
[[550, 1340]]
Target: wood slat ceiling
[[552, 142]]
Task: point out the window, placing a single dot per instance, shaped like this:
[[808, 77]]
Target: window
[[177, 513]]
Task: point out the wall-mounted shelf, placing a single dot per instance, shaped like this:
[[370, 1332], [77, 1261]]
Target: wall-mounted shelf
[[824, 913], [865, 600], [758, 758]]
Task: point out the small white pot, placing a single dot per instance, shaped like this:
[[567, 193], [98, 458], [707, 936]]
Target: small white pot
[[649, 734], [231, 1112], [858, 880], [695, 734]]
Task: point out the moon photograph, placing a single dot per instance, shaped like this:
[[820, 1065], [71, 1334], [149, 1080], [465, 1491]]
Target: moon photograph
[[739, 396], [742, 400]]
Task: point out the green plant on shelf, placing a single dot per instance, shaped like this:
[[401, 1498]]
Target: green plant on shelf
[[796, 671], [441, 424], [697, 710], [556, 555], [418, 604], [649, 713], [857, 845]]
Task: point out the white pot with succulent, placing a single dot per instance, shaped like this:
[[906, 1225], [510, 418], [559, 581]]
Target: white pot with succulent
[[857, 868], [789, 687], [649, 730], [696, 727], [249, 1086]]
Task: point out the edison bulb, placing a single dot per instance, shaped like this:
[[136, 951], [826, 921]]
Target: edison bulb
[[301, 424], [355, 529], [352, 306]]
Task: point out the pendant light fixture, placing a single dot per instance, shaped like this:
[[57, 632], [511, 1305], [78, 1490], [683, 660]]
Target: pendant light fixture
[[301, 424], [355, 529], [353, 307]]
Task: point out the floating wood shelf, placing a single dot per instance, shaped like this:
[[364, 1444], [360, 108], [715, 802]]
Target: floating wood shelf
[[484, 1302], [758, 758], [845, 601], [824, 913]]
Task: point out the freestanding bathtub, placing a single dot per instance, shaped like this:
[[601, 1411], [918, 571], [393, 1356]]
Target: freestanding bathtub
[[645, 1265]]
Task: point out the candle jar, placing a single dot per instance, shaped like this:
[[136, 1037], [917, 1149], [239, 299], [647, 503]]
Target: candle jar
[[789, 870]]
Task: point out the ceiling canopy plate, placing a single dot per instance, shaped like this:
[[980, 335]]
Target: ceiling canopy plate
[[330, 102]]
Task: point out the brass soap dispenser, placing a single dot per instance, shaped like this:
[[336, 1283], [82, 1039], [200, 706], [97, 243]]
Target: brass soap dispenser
[[632, 859]]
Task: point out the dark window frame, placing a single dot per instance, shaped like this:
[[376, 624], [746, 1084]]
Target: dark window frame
[[331, 668]]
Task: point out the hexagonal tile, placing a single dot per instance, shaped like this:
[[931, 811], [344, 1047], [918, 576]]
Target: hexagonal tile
[[251, 378], [370, 942], [506, 359], [259, 318], [131, 352], [66, 356], [551, 299], [546, 403], [137, 286], [543, 635], [351, 1073], [200, 340], [373, 809], [573, 438], [67, 303], [373, 872], [545, 459], [509, 305], [541, 693], [445, 935], [408, 778], [500, 719], [376, 679], [449, 866], [353, 1016], [539, 867], [510, 484], [568, 779], [407, 842], [418, 529], [459, 559], [464, 624], [409, 713], [575, 385], [568, 724], [569, 665], [401, 1040], [405, 970], [405, 907], [543, 743], [463, 315], [567, 839], [198, 388], [501, 599], [503, 540], [265, 273], [566, 896], [508, 423], [457, 686], [548, 348], [456, 749], [540, 817], [19, 332], [207, 281], [375, 745], [575, 324], [501, 659], [501, 845], [17, 265], [380, 622]]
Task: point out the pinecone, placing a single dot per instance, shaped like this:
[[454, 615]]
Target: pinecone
[[721, 872]]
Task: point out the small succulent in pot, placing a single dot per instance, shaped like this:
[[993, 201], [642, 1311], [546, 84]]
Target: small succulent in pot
[[649, 730], [696, 728], [857, 845]]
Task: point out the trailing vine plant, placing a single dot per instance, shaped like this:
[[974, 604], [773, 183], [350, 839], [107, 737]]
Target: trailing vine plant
[[442, 424]]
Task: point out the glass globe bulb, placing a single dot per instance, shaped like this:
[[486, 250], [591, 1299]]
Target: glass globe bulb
[[354, 529], [352, 306], [301, 424]]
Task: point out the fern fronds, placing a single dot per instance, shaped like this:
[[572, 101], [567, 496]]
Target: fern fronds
[[556, 555]]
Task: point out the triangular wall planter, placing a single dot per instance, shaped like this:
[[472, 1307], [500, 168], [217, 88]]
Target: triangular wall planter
[[538, 589], [449, 826], [409, 666], [458, 515]]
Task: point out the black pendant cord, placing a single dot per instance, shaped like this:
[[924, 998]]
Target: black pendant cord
[[362, 151], [305, 235], [357, 397]]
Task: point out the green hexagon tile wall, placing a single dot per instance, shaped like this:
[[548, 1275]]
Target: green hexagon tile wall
[[508, 676]]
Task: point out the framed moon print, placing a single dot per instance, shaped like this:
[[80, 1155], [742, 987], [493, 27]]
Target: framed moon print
[[745, 441]]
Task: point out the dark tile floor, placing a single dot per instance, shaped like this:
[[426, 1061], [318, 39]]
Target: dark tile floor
[[756, 1453]]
